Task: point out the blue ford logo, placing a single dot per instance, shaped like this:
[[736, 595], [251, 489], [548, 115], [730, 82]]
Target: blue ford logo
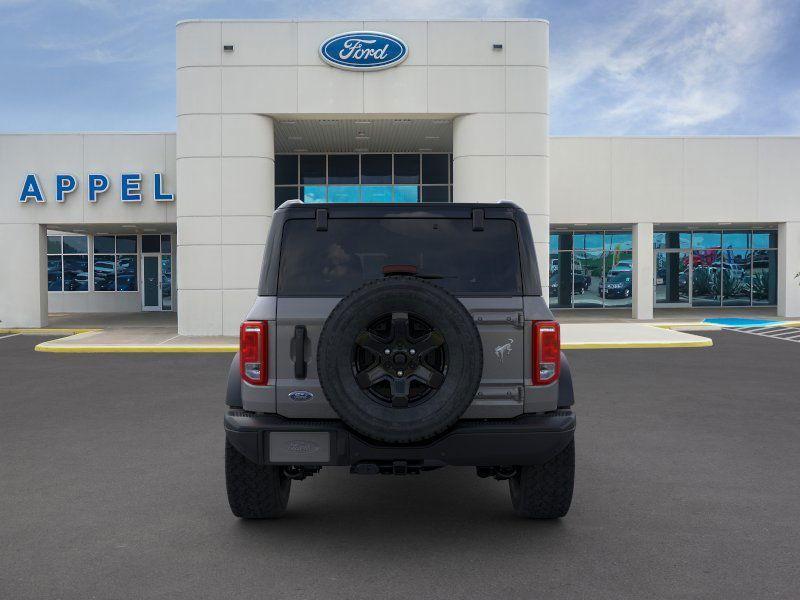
[[363, 50], [300, 395]]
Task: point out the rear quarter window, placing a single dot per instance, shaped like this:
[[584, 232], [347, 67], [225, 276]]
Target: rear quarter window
[[354, 251]]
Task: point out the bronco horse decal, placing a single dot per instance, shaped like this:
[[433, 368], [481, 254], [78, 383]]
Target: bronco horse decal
[[504, 350]]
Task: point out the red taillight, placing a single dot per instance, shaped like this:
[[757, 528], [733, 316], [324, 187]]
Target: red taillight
[[253, 352], [546, 352]]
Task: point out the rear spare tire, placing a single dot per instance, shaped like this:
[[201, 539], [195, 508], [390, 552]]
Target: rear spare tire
[[400, 359]]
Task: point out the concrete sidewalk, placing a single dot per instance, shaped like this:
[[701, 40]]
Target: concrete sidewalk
[[156, 332]]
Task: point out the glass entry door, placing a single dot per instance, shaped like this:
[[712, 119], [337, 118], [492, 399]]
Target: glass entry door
[[151, 282]]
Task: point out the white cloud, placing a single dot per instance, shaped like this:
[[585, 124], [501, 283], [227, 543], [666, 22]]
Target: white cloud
[[669, 69]]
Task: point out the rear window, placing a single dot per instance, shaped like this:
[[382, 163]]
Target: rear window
[[353, 251]]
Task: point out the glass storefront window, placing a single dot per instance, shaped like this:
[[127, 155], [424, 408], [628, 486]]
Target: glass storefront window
[[765, 239], [151, 243], [376, 193], [765, 277], [411, 177], [376, 168], [343, 169], [671, 272], [406, 168], [723, 268], [75, 244], [587, 278], [706, 278], [54, 244], [736, 239], [126, 244], [67, 263], [618, 241], [617, 285], [588, 241], [282, 194], [54, 276], [735, 277], [104, 244], [76, 273], [104, 272], [434, 168], [286, 169], [126, 273], [339, 193], [314, 193], [406, 193], [434, 193], [672, 239], [707, 239], [312, 168]]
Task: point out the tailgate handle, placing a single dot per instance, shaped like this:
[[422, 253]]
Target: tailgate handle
[[299, 347]]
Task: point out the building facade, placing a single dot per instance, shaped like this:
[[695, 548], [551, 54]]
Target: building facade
[[439, 111]]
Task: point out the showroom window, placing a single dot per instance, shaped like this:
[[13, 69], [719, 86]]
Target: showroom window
[[716, 267], [591, 269], [115, 263], [67, 263], [376, 177]]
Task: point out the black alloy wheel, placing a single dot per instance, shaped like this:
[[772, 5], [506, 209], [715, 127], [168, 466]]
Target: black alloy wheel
[[400, 359]]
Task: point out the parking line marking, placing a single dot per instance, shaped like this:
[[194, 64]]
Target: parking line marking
[[790, 333], [2, 337]]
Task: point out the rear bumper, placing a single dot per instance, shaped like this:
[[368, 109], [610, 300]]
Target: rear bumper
[[525, 440]]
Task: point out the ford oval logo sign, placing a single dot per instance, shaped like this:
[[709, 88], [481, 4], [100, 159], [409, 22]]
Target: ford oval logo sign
[[363, 50], [300, 395]]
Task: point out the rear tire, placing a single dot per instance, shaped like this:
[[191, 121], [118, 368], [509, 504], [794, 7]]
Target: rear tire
[[545, 491], [254, 491]]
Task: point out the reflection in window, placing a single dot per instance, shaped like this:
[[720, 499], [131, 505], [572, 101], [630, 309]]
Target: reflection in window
[[76, 273], [126, 273], [765, 277], [104, 272], [116, 271], [54, 277], [406, 193], [672, 278], [718, 268], [591, 269], [408, 177], [376, 193], [343, 193], [67, 263], [314, 194]]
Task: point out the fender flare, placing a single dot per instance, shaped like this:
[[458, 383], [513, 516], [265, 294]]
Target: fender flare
[[233, 394], [566, 396]]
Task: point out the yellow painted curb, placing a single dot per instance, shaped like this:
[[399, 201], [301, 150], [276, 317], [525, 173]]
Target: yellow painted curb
[[46, 331], [704, 343], [100, 349]]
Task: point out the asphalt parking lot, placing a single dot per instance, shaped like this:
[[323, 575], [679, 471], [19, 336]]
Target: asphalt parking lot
[[688, 486]]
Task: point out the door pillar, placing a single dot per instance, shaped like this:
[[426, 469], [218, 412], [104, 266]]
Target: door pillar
[[789, 269], [642, 271]]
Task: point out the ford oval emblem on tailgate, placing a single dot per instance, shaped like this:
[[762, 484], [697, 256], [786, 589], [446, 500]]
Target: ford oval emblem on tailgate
[[301, 395], [363, 50]]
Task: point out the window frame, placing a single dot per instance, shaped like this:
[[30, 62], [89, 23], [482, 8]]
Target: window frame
[[89, 265], [299, 187]]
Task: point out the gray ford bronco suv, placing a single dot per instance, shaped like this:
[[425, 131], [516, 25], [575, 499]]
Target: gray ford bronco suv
[[398, 339]]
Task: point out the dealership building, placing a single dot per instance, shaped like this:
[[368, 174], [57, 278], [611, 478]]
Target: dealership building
[[389, 111]]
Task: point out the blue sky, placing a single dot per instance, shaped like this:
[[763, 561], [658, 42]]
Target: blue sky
[[617, 68]]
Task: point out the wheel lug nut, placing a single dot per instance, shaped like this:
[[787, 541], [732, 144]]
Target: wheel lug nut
[[387, 351], [399, 373], [412, 351]]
